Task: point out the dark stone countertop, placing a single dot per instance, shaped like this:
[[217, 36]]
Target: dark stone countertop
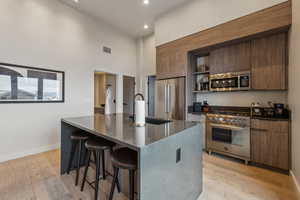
[[120, 129], [252, 117]]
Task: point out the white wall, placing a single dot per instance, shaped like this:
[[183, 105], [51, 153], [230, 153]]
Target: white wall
[[294, 91], [149, 56], [146, 52], [199, 15], [46, 33]]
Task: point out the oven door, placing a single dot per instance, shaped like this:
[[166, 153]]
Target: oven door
[[229, 139]]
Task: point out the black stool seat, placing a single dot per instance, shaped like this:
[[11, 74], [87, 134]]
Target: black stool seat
[[98, 144], [124, 158], [77, 140], [79, 136], [97, 147]]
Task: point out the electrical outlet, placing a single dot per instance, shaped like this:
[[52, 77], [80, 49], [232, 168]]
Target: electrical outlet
[[178, 155], [107, 50]]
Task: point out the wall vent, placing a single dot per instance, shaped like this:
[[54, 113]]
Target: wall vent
[[107, 50]]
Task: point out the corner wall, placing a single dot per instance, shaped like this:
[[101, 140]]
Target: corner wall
[[49, 34], [294, 91], [146, 66]]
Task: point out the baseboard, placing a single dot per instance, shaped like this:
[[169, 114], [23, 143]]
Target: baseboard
[[201, 197], [295, 181], [4, 158]]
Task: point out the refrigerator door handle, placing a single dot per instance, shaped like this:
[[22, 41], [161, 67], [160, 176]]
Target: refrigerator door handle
[[169, 98], [166, 98]]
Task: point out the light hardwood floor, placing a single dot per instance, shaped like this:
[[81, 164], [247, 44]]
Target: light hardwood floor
[[37, 178]]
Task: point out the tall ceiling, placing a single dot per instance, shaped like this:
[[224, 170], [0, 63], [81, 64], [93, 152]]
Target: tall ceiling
[[127, 15]]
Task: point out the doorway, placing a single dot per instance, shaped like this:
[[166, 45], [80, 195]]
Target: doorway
[[151, 95], [128, 94], [104, 93]]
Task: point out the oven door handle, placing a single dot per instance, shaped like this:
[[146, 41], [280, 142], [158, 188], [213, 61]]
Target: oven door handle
[[229, 127]]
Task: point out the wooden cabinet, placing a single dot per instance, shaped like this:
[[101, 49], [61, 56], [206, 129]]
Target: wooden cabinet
[[163, 63], [270, 143], [216, 61], [269, 63], [171, 63], [233, 58]]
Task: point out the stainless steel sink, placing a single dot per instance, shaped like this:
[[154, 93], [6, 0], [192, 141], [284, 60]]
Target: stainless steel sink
[[155, 121]]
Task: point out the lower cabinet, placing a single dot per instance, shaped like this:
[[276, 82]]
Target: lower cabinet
[[270, 143]]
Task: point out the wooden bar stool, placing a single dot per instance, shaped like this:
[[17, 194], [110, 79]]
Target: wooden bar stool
[[77, 140], [97, 147], [124, 158]]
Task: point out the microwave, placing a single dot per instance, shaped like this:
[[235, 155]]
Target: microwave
[[235, 81]]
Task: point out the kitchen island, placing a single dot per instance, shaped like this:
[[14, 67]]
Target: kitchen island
[[169, 154]]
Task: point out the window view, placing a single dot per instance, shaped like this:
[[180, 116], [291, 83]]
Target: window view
[[27, 88], [5, 87], [25, 84], [51, 89]]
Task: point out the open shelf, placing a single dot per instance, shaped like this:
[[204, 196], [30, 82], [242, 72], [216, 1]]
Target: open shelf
[[201, 73]]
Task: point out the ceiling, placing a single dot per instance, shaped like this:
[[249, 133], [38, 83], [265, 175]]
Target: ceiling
[[128, 16]]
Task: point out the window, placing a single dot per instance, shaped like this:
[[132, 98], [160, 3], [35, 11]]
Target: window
[[5, 87], [22, 84], [51, 89], [27, 88]]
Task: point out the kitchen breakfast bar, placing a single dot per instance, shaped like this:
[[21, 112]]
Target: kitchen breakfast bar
[[169, 154]]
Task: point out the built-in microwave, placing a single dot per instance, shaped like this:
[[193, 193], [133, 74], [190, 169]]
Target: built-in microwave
[[234, 81]]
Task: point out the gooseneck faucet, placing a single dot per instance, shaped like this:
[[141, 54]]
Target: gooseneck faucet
[[137, 95]]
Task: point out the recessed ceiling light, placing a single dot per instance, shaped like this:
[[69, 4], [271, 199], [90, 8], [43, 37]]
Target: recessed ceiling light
[[76, 1], [146, 26], [146, 2]]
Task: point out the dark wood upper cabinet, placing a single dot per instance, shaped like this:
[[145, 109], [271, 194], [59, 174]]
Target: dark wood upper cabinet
[[233, 58], [171, 63], [172, 57], [270, 143], [216, 61], [163, 63], [269, 63]]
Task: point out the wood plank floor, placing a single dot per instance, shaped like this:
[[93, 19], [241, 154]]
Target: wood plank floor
[[37, 178]]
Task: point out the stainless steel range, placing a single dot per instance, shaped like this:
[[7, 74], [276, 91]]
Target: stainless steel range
[[229, 133]]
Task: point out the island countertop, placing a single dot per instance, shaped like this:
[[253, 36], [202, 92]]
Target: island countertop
[[121, 129], [169, 155]]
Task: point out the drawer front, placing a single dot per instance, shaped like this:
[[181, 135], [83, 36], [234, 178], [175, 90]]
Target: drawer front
[[273, 126]]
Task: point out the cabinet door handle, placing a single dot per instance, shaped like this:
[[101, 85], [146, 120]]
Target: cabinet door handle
[[259, 129], [166, 98]]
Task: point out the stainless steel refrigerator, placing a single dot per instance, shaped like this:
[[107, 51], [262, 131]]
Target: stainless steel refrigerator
[[170, 99]]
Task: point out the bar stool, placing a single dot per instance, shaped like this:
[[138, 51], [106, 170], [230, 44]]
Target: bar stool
[[77, 139], [97, 146], [124, 158]]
